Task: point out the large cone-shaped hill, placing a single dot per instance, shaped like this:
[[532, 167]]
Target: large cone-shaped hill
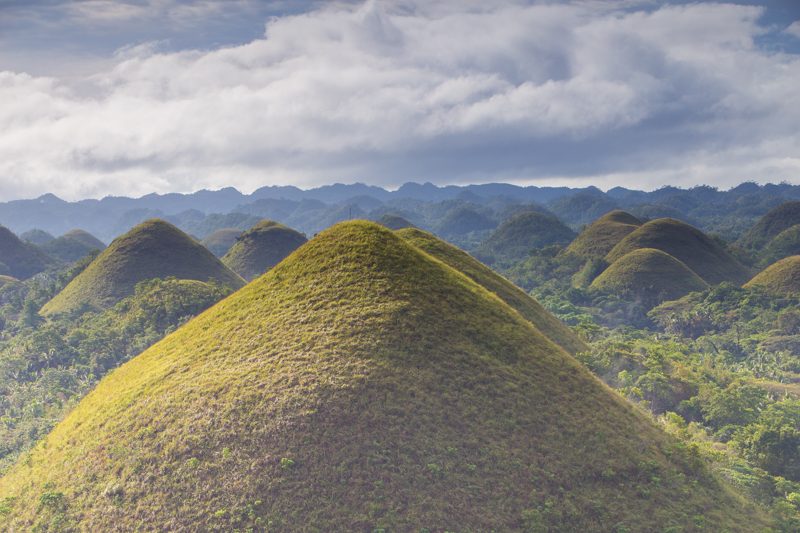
[[770, 225], [519, 235], [262, 247], [153, 249], [221, 240], [785, 244], [782, 277], [526, 306], [650, 276], [361, 384], [603, 234], [20, 259], [687, 244], [73, 245]]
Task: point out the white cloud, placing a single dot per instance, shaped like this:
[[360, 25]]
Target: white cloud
[[391, 91], [794, 29]]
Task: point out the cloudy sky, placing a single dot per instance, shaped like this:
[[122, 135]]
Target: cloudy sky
[[129, 97]]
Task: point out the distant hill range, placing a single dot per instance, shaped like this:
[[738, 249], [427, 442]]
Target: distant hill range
[[450, 211]]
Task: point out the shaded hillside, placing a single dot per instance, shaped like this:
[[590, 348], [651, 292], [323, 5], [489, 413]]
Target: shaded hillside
[[221, 240], [526, 306], [649, 276], [771, 224], [20, 259], [603, 234], [262, 247], [361, 385], [523, 233], [583, 207], [785, 244], [394, 222], [687, 244], [36, 236], [779, 278], [463, 220], [73, 245], [153, 249]]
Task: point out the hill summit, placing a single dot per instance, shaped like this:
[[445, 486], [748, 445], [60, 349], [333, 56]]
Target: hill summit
[[519, 235], [262, 247], [689, 245], [782, 277], [20, 259], [73, 245], [603, 234], [153, 249], [361, 384], [771, 225]]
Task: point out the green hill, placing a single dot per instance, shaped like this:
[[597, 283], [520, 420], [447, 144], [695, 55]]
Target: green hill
[[785, 244], [221, 240], [526, 306], [782, 277], [361, 385], [649, 276], [36, 236], [462, 220], [603, 234], [20, 259], [73, 245], [394, 222], [687, 244], [519, 235], [770, 225], [262, 247], [153, 249]]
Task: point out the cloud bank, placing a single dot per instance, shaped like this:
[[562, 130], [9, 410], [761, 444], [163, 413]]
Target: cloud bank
[[387, 92]]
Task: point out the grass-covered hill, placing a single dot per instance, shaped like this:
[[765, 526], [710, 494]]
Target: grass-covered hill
[[262, 247], [462, 220], [392, 221], [770, 225], [526, 306], [779, 278], [784, 244], [649, 276], [361, 384], [73, 245], [153, 249], [20, 259], [695, 249], [221, 240], [516, 237], [603, 234], [36, 236]]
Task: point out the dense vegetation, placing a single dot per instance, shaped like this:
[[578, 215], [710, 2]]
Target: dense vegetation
[[361, 385]]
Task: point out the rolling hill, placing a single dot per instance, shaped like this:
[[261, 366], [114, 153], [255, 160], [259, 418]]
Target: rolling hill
[[262, 247], [689, 245], [649, 276], [20, 259], [784, 244], [153, 249], [519, 235], [36, 236], [73, 245], [526, 306], [361, 385], [394, 222], [779, 278], [770, 225], [221, 240], [603, 234]]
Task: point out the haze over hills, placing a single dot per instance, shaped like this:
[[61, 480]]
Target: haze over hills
[[221, 240], [262, 247], [153, 249], [73, 245], [20, 259], [361, 384]]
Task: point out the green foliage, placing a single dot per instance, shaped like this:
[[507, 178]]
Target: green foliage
[[772, 440]]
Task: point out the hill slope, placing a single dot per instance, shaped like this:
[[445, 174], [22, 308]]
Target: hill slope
[[687, 244], [603, 234], [394, 222], [785, 244], [221, 240], [36, 236], [770, 225], [782, 277], [73, 245], [650, 276], [517, 236], [20, 259], [262, 247], [153, 249], [361, 384], [526, 306]]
